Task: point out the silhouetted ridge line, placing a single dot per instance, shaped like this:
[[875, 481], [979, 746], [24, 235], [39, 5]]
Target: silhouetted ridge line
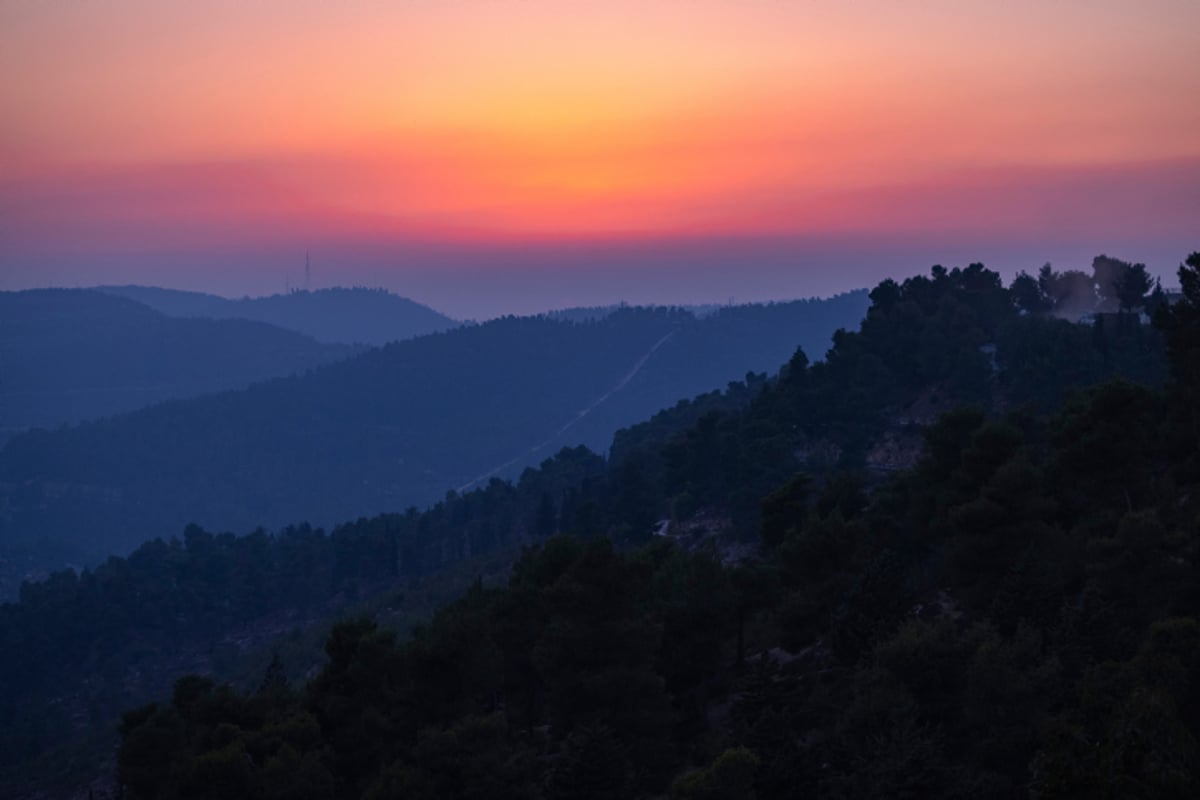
[[367, 316]]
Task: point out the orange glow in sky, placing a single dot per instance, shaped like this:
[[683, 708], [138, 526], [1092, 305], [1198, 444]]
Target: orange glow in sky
[[556, 119]]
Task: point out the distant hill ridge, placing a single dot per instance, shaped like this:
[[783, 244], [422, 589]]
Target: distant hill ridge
[[347, 315], [589, 313], [394, 427], [68, 355]]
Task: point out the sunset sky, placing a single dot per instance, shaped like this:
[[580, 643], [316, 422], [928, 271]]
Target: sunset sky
[[488, 156]]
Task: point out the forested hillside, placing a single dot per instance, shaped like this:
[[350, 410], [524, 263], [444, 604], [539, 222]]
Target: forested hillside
[[68, 355], [1004, 526], [394, 427], [366, 316], [1014, 616]]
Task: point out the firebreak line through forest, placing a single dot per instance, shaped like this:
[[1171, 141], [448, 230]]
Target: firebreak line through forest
[[625, 379]]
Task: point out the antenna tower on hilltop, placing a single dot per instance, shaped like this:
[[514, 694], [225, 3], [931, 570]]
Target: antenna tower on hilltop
[[307, 273]]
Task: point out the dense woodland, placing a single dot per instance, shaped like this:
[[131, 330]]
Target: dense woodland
[[992, 620], [393, 427], [1014, 616]]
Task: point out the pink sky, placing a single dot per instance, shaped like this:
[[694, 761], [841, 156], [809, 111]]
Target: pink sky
[[546, 151]]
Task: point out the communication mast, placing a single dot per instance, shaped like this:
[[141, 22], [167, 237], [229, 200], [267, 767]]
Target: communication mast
[[307, 273]]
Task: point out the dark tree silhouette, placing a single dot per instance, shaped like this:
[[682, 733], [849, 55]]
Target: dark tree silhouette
[[1131, 286], [1070, 293], [1028, 295]]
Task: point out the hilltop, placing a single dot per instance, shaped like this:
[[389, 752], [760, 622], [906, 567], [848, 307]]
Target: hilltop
[[348, 315], [68, 355]]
